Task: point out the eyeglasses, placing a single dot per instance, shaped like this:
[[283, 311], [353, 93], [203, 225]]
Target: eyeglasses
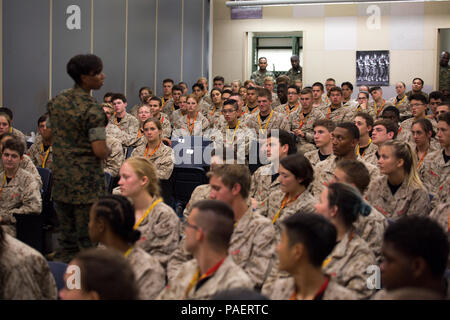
[[416, 105], [228, 111], [187, 224]]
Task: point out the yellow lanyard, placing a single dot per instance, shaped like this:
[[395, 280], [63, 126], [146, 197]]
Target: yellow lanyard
[[147, 213], [44, 159], [268, 120], [153, 152], [235, 129], [140, 133], [126, 254], [400, 102], [197, 278], [421, 159], [283, 204], [357, 149], [381, 107], [288, 110], [189, 123], [3, 184]]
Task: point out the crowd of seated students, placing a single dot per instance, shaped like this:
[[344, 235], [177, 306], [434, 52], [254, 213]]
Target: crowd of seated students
[[348, 184]]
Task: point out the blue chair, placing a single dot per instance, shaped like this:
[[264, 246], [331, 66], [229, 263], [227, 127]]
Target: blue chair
[[108, 182], [192, 151], [58, 269], [129, 152], [186, 179]]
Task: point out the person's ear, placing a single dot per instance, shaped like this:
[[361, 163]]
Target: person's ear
[[418, 267], [236, 189], [333, 211], [93, 295], [144, 180], [400, 163]]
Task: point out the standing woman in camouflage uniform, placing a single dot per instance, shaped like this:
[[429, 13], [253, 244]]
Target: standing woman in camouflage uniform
[[111, 223], [341, 204], [157, 222], [77, 124], [399, 192]]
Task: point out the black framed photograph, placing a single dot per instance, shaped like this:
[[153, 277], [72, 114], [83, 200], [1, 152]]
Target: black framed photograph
[[372, 68]]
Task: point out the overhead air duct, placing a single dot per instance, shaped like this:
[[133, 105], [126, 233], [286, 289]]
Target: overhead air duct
[[249, 3]]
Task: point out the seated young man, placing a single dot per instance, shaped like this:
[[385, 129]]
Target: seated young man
[[209, 230], [383, 130], [345, 139], [41, 152], [26, 162], [322, 138], [415, 251], [20, 192], [306, 240]]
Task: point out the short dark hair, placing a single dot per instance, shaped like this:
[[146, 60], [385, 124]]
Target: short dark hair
[[177, 88], [391, 109], [318, 84], [436, 95], [445, 117], [83, 64], [118, 96], [351, 128], [155, 98], [227, 91], [356, 172], [217, 219], [198, 85], [300, 167], [335, 89], [418, 236], [285, 138], [390, 126], [42, 118], [231, 102], [168, 80], [330, 79], [108, 273], [263, 92], [315, 232], [330, 125], [108, 94], [219, 78], [419, 97], [14, 144], [306, 91], [372, 89], [348, 201], [118, 212], [365, 116], [348, 84], [293, 86]]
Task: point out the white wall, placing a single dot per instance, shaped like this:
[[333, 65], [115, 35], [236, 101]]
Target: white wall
[[332, 34]]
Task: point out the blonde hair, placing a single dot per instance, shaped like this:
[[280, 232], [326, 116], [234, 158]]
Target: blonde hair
[[404, 151], [193, 96], [107, 105], [145, 168]]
